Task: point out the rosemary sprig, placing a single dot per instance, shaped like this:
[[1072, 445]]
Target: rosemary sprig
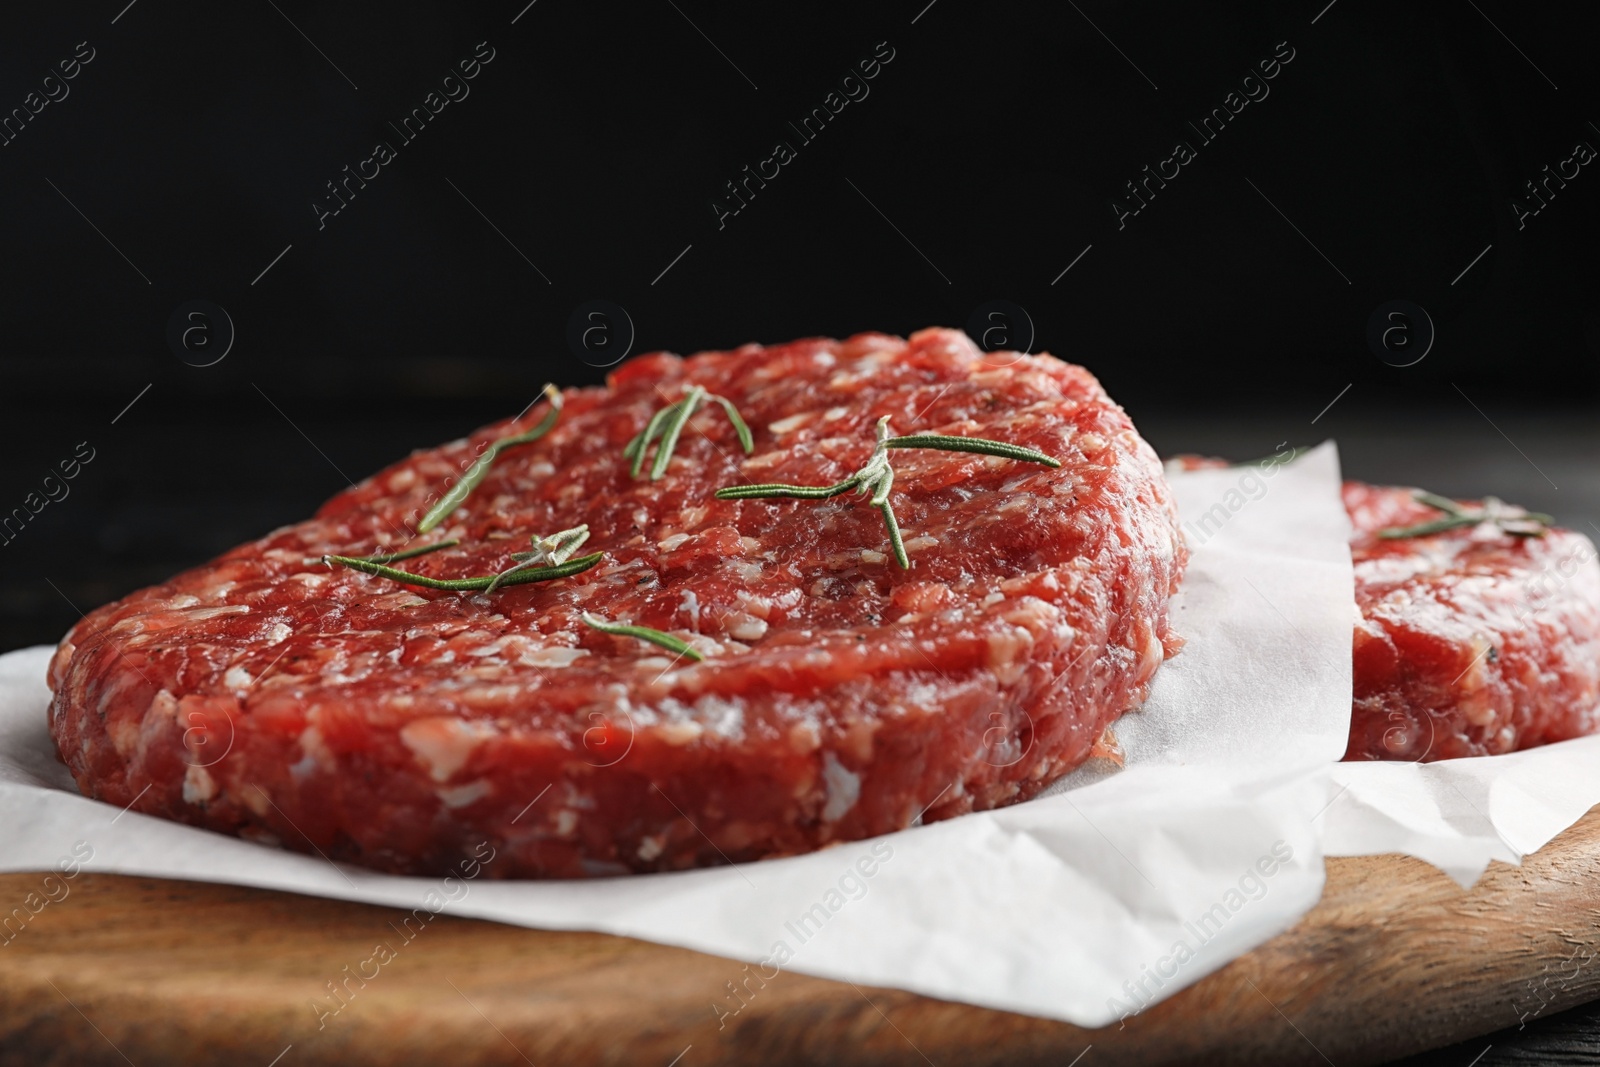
[[409, 553], [1437, 502], [480, 469], [946, 443], [643, 633], [1527, 524], [481, 582], [877, 477], [669, 422], [547, 551]]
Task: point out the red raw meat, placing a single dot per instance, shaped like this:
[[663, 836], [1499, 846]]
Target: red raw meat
[[269, 695], [1472, 642]]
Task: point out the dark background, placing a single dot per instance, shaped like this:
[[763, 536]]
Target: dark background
[[1228, 315]]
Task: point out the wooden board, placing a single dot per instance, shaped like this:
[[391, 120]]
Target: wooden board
[[1395, 959]]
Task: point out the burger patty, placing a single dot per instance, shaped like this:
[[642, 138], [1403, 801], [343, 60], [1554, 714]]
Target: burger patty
[[836, 695], [1472, 641]]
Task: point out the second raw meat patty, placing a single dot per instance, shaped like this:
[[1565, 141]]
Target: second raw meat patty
[[1472, 641]]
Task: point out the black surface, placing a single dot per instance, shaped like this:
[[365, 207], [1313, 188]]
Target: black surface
[[1231, 313], [1570, 1039], [984, 159]]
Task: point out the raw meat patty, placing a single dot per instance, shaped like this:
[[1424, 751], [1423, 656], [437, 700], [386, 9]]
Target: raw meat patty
[[1471, 642], [271, 695]]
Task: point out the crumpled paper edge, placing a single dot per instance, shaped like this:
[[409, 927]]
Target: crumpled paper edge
[[1462, 814]]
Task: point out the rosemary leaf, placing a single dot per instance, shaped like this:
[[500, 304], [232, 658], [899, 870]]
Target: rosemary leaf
[[1518, 528], [880, 500], [546, 424], [895, 541], [637, 446], [877, 477], [567, 542], [740, 427], [510, 572], [881, 486], [409, 553], [482, 582], [1437, 502], [778, 489], [1527, 524], [553, 550], [480, 469], [945, 443], [684, 409], [668, 424], [643, 633], [1433, 526]]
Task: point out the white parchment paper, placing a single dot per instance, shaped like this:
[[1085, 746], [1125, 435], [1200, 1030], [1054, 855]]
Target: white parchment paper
[[1460, 814], [1085, 905]]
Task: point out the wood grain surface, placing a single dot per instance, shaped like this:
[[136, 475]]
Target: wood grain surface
[[1395, 959]]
